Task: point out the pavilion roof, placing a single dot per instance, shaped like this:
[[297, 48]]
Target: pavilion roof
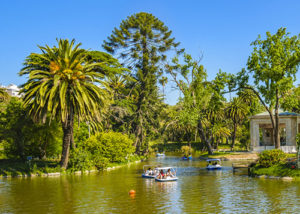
[[281, 113]]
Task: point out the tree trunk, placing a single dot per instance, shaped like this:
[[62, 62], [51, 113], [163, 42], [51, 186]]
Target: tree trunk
[[203, 138], [20, 144], [233, 135], [67, 126], [43, 154], [217, 144], [276, 130], [275, 122], [138, 138]]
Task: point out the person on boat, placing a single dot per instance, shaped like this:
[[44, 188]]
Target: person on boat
[[150, 171], [161, 174], [208, 163], [147, 171], [169, 173]]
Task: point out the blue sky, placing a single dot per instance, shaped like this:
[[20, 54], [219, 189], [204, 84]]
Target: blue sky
[[221, 31]]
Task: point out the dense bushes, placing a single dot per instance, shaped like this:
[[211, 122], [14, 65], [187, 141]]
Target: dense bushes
[[272, 157], [186, 150], [100, 150], [21, 137]]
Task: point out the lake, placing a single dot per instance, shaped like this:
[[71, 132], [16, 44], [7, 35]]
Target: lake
[[196, 191]]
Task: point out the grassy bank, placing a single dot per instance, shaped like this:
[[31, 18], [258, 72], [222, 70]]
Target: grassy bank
[[13, 168], [18, 168], [280, 170]]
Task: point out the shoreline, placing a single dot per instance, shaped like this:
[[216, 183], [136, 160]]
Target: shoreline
[[284, 178], [233, 156], [57, 174]]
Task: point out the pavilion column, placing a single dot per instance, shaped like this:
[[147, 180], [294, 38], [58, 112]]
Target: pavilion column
[[254, 134], [289, 135]]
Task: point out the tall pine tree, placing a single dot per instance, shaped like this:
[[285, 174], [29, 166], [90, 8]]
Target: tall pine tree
[[142, 42]]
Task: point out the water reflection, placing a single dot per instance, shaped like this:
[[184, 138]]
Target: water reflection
[[196, 191]]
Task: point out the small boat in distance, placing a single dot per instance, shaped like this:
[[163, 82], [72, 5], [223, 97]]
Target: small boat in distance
[[187, 158], [166, 174], [213, 164], [150, 171], [160, 154]]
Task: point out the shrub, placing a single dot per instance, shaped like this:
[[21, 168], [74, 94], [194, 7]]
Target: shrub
[[186, 150], [112, 145], [80, 160], [272, 157], [100, 150]]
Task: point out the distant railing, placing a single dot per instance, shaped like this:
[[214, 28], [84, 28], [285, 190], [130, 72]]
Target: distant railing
[[286, 149]]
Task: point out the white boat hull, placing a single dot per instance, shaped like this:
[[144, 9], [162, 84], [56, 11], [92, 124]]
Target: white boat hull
[[148, 176], [166, 179]]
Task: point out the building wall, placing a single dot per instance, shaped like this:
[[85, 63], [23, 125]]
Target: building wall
[[291, 131]]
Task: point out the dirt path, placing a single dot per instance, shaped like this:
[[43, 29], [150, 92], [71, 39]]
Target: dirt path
[[236, 156]]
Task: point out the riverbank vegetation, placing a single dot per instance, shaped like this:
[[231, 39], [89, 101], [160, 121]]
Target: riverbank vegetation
[[276, 163], [89, 109]]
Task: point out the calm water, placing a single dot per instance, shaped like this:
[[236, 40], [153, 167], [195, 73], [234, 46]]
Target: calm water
[[196, 191]]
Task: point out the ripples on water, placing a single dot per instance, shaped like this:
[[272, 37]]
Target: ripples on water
[[196, 191]]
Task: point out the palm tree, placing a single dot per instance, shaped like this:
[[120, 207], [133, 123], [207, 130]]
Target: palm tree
[[237, 112], [61, 84]]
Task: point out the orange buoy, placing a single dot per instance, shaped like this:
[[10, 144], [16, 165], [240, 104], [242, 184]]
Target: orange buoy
[[132, 192]]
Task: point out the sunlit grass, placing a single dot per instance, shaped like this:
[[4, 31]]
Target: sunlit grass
[[276, 170]]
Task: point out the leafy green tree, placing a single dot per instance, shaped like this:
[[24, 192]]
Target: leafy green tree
[[4, 99], [273, 63], [101, 149], [62, 83], [197, 94], [291, 101], [3, 95], [237, 111], [142, 41], [23, 137]]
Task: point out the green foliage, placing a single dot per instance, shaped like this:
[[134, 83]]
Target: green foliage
[[4, 98], [272, 157], [186, 150], [244, 137], [112, 145], [274, 63], [298, 139], [21, 137], [100, 150], [202, 107], [80, 160], [18, 167], [291, 101], [280, 170], [81, 133], [142, 41], [64, 82]]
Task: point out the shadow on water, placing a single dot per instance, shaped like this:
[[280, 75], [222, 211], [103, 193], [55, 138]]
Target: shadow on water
[[196, 191]]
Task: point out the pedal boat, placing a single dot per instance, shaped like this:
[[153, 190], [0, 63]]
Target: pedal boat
[[213, 164], [168, 178]]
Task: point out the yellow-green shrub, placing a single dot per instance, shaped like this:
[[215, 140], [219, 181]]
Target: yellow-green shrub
[[272, 157]]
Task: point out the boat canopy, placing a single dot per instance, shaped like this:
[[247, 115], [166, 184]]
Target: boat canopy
[[150, 166], [165, 168], [213, 159]]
